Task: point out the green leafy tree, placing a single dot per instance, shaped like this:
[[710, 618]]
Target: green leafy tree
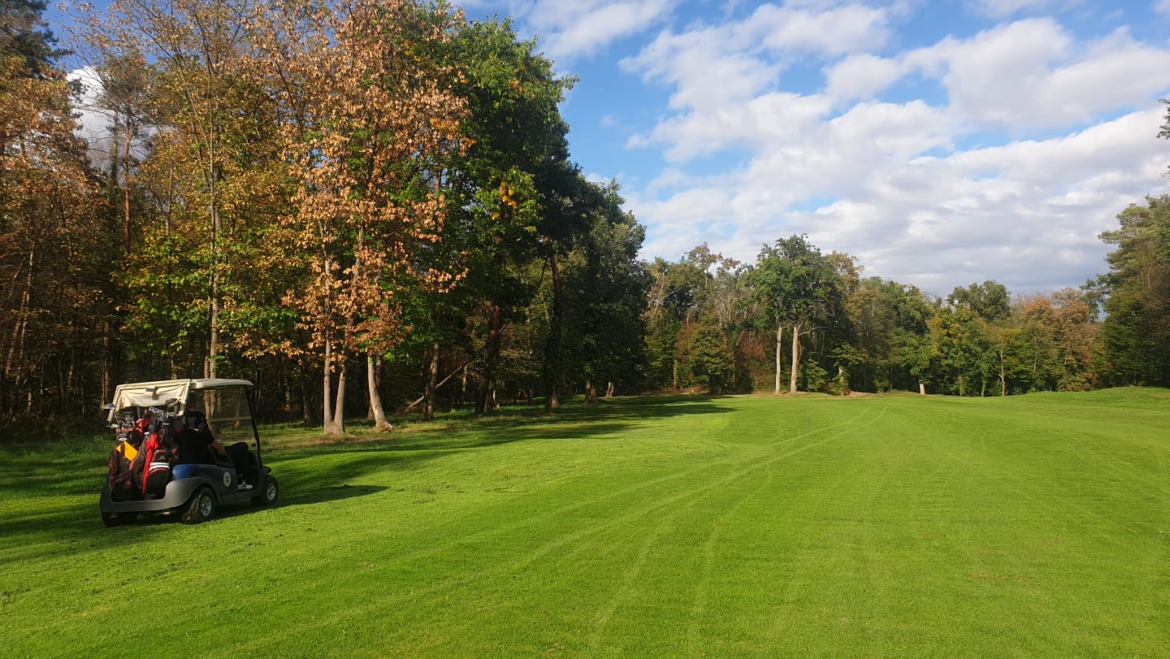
[[888, 320], [606, 285], [989, 300], [501, 194], [797, 286], [1136, 330]]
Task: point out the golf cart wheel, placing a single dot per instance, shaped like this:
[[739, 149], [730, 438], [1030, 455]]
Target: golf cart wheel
[[111, 519], [269, 494], [201, 508]]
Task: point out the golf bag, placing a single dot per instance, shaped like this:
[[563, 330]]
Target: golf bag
[[125, 482], [158, 458]]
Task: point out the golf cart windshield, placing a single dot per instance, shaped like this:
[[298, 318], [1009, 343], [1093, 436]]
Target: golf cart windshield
[[228, 415]]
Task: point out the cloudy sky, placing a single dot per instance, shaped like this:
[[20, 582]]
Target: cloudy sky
[[939, 142]]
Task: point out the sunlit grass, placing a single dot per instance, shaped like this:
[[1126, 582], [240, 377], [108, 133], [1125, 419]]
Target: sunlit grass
[[1036, 525]]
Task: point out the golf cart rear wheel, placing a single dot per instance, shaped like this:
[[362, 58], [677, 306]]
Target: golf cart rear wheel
[[201, 508], [269, 494], [111, 519]]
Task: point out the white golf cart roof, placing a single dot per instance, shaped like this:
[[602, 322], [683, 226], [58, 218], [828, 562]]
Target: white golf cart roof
[[165, 393]]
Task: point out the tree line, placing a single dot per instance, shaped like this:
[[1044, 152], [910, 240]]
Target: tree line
[[369, 206]]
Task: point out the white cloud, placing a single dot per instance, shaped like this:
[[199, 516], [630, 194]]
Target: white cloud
[[93, 123], [994, 77], [1162, 6], [1027, 213], [583, 27], [761, 122], [705, 68], [862, 76], [1004, 8], [833, 31], [1033, 73]]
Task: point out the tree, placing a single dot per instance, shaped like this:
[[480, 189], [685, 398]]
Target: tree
[[605, 287], [502, 198], [796, 285], [195, 48], [371, 118], [958, 343], [1136, 330], [52, 245], [989, 300], [888, 319]]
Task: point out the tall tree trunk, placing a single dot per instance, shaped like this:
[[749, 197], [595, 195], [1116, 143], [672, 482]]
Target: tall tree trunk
[[213, 301], [307, 402], [1002, 374], [373, 379], [590, 393], [107, 359], [552, 352], [336, 426], [432, 380], [462, 387], [795, 357], [482, 402], [126, 188], [14, 363], [327, 388], [779, 353]]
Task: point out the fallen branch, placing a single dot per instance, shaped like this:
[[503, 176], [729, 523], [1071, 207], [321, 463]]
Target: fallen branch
[[441, 383]]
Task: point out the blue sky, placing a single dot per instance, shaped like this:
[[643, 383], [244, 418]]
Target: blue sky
[[940, 143]]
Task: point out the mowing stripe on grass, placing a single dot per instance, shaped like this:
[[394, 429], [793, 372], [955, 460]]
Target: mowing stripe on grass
[[646, 527]]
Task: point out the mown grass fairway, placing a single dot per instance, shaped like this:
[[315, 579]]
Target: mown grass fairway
[[898, 526]]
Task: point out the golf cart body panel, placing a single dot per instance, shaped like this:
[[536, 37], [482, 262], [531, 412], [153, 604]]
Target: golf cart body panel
[[226, 407]]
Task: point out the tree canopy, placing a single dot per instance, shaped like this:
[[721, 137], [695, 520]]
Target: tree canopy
[[296, 191]]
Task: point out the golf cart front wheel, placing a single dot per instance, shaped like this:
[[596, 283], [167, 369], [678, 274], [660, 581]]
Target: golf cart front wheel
[[111, 519], [269, 494], [201, 508]]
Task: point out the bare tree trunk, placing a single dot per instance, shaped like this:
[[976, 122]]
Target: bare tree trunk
[[609, 390], [1002, 374], [10, 362], [779, 353], [307, 403], [213, 301], [126, 188], [922, 388], [483, 404], [336, 425], [327, 388], [432, 379], [463, 387], [373, 378], [795, 357], [107, 362], [590, 393], [552, 356]]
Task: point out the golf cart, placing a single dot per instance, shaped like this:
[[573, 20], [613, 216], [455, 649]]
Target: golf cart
[[150, 419]]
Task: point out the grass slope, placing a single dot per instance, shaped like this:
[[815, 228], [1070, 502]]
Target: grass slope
[[900, 526]]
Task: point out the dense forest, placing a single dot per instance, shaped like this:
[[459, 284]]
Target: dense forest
[[369, 207]]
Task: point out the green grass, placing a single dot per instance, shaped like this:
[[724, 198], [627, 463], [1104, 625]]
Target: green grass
[[893, 525]]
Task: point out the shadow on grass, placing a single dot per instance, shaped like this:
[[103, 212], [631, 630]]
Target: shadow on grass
[[463, 430], [329, 494], [52, 488]]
